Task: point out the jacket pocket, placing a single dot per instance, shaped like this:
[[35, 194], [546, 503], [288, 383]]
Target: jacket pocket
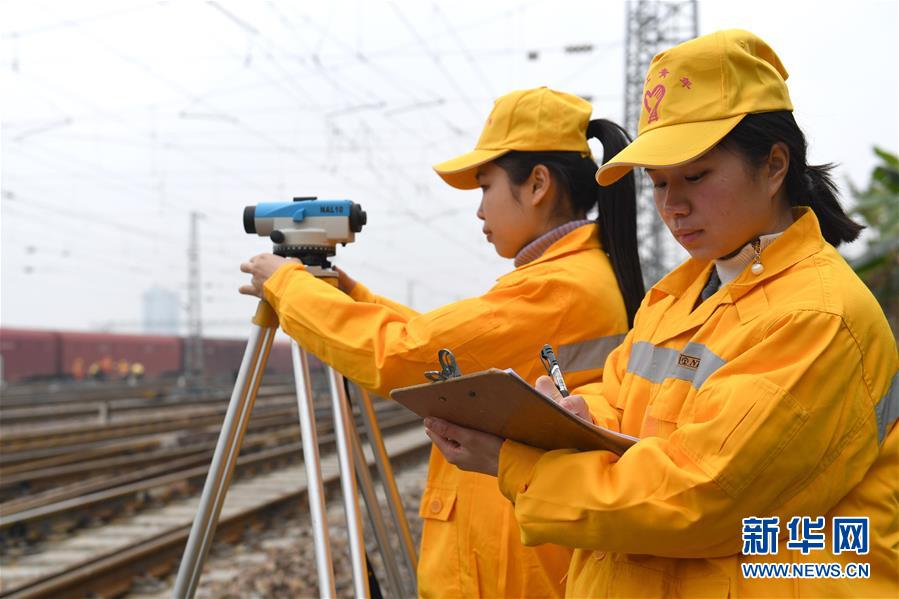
[[631, 580], [706, 587], [665, 408], [437, 504], [754, 421], [438, 564], [668, 403]]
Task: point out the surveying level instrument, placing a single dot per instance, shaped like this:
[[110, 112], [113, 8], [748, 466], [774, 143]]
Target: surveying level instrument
[[307, 229]]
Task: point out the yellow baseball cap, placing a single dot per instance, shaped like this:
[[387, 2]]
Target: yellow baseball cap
[[530, 120], [695, 93]]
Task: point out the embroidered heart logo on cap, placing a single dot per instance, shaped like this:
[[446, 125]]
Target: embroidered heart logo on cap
[[657, 93]]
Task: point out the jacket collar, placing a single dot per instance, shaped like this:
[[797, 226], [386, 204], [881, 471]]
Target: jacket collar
[[535, 249], [799, 241], [583, 238]]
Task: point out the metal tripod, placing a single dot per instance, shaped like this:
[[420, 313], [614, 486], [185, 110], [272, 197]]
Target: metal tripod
[[351, 459]]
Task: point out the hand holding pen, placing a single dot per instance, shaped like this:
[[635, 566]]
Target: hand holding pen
[[548, 357], [556, 389]]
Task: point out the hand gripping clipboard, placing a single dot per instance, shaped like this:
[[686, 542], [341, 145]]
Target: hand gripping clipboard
[[501, 403]]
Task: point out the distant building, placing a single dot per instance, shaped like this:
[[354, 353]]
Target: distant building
[[162, 312]]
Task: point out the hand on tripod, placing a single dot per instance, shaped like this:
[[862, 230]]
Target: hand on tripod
[[261, 267], [344, 281]]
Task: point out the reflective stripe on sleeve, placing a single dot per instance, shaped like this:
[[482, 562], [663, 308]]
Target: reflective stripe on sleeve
[[587, 355], [887, 409], [694, 364]]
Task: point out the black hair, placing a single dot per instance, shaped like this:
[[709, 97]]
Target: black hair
[[616, 204], [805, 184]]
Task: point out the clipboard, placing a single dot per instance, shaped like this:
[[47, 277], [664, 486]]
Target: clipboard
[[500, 402]]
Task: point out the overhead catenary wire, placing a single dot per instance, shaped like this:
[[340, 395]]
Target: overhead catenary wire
[[390, 119]]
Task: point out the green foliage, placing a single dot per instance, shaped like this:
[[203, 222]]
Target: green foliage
[[878, 205]]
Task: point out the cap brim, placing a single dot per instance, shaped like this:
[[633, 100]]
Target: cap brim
[[461, 171], [666, 147]]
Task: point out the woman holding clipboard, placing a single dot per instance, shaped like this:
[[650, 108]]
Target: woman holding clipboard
[[760, 375], [576, 282]]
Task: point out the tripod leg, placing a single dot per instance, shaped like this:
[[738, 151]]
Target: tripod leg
[[342, 421], [385, 470], [312, 463], [223, 460], [374, 512]]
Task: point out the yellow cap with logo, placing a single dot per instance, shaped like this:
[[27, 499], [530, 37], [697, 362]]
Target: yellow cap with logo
[[530, 120], [695, 93]]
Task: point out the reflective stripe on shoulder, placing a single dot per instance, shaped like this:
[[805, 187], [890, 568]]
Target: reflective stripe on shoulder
[[887, 409], [694, 364], [587, 355]]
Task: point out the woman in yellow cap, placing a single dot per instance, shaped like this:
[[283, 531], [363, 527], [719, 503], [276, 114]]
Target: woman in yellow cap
[[576, 284], [760, 375]]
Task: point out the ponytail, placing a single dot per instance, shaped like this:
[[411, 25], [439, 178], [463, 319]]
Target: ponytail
[[822, 194], [617, 204], [618, 217], [805, 184]]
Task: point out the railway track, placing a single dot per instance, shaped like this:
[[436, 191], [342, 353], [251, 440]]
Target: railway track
[[84, 406], [25, 395], [103, 508], [41, 458], [106, 560]]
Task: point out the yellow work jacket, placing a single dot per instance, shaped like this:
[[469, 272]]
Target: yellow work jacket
[[568, 297], [777, 396]]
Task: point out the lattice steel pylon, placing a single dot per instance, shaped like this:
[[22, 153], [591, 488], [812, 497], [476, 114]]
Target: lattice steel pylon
[[193, 359], [652, 26]]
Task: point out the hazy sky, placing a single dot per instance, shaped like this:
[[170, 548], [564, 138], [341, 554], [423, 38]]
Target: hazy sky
[[121, 117]]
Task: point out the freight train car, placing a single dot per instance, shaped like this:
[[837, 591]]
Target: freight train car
[[279, 360], [114, 355], [223, 356], [29, 355]]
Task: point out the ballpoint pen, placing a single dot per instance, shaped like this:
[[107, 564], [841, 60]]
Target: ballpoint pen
[[552, 368]]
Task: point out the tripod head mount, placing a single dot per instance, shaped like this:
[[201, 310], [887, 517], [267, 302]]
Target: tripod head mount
[[307, 228]]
